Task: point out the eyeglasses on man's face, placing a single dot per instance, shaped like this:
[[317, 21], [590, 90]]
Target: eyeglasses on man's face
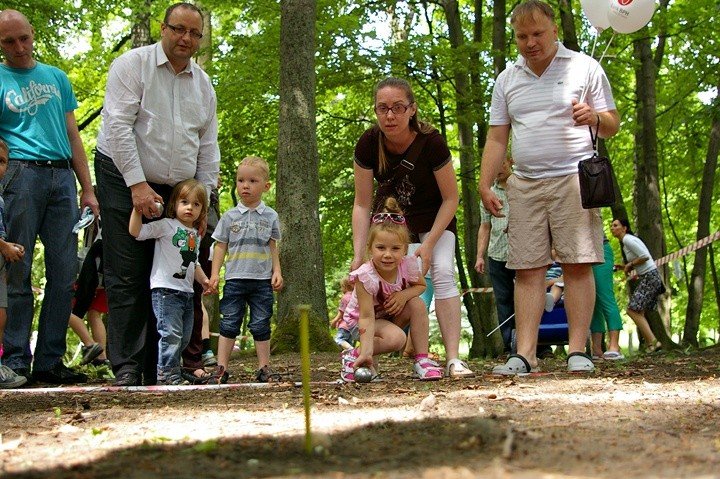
[[383, 217], [397, 109], [181, 31]]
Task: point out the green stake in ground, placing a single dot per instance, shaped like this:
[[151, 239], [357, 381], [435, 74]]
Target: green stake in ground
[[305, 365]]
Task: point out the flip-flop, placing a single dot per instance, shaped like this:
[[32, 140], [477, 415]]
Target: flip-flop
[[515, 365], [578, 362], [613, 355]]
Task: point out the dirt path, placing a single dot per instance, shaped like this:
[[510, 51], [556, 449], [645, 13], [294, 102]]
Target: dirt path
[[656, 416]]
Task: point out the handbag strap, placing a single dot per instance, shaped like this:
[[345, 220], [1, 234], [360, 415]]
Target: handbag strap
[[407, 164], [594, 137]]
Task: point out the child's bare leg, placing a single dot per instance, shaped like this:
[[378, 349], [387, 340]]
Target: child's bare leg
[[98, 330], [643, 327], [409, 350], [262, 351], [78, 326], [556, 292], [225, 347], [614, 340], [415, 314], [388, 337]]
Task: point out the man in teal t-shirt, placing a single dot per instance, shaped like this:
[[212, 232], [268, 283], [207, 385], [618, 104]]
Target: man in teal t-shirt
[[38, 124]]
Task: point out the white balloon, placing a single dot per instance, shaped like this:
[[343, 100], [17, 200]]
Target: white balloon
[[596, 11], [628, 16]]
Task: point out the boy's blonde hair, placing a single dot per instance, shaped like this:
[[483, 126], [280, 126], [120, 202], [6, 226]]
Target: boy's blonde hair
[[184, 189], [400, 230], [257, 162]]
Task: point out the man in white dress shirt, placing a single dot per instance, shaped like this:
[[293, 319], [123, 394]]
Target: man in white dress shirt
[[541, 100], [159, 128]]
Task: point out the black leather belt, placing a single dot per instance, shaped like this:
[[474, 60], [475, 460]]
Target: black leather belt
[[64, 164]]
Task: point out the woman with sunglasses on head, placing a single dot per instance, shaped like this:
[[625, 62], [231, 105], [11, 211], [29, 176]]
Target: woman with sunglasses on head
[[412, 163], [386, 298]]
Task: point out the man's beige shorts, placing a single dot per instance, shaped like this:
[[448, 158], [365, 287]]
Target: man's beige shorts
[[547, 212]]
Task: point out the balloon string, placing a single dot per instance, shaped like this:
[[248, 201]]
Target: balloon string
[[592, 52], [606, 47], [584, 92]]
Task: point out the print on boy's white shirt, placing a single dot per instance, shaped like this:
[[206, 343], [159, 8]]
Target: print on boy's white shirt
[[176, 249]]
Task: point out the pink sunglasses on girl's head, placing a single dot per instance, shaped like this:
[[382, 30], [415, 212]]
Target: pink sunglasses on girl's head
[[382, 217]]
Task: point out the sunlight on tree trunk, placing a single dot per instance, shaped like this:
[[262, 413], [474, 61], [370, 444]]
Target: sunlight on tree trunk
[[205, 52], [141, 27]]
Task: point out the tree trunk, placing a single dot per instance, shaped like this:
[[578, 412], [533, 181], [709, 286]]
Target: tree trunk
[[618, 208], [697, 278], [141, 28], [204, 55], [567, 23], [438, 96], [646, 185], [499, 39], [203, 59], [468, 178], [481, 345], [298, 185], [716, 282]]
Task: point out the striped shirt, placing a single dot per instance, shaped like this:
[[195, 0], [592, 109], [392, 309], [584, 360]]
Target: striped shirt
[[545, 143], [247, 233], [554, 271]]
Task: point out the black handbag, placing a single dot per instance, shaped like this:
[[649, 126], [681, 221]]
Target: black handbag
[[595, 174]]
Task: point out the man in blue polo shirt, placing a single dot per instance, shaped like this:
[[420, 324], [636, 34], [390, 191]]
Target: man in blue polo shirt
[[38, 124]]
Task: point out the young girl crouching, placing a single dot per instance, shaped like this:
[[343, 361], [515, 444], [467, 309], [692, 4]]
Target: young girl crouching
[[386, 298]]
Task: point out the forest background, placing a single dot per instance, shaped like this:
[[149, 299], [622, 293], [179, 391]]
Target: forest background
[[665, 79]]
